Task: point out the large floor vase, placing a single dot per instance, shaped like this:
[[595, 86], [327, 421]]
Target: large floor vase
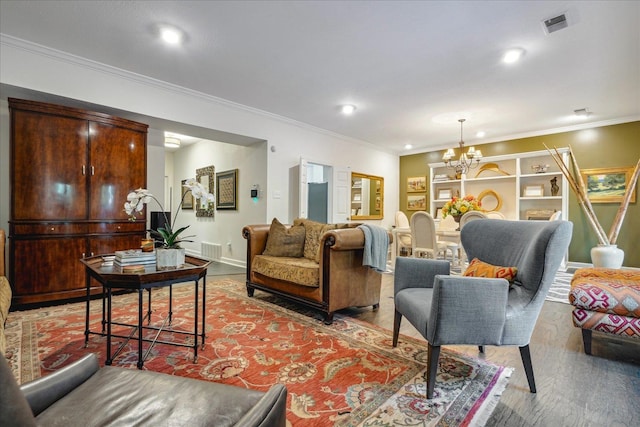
[[169, 259], [607, 256]]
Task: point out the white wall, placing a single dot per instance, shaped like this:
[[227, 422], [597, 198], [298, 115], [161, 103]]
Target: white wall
[[226, 225], [37, 68]]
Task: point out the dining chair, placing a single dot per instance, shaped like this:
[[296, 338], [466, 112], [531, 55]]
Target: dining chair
[[495, 215], [466, 218], [403, 239], [423, 236], [448, 235], [479, 311]]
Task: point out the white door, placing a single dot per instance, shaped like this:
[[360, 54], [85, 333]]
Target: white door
[[303, 194], [341, 194]]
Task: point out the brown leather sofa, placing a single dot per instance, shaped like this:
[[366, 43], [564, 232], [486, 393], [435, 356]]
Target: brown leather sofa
[[82, 394], [5, 294], [342, 281]]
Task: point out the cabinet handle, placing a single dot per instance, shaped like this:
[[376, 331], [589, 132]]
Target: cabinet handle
[[53, 229], [82, 254], [91, 253], [83, 170], [93, 171]]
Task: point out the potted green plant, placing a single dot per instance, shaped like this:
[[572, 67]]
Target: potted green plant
[[171, 254]]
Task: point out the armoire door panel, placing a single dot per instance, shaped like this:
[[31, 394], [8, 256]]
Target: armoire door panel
[[118, 166], [109, 244], [52, 154], [71, 171], [47, 267]]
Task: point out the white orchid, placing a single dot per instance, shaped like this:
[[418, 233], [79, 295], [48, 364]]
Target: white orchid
[[136, 200]]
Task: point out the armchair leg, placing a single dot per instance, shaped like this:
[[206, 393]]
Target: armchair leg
[[528, 367], [586, 340], [397, 318], [432, 368]]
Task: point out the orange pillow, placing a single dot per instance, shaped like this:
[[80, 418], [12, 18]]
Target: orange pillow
[[478, 268]]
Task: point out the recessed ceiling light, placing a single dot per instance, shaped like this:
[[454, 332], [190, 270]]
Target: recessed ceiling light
[[171, 35], [481, 134], [171, 142], [408, 146], [582, 113], [512, 55], [348, 109]]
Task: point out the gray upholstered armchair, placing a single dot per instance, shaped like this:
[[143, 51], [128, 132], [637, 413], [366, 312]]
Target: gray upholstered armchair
[[480, 311]]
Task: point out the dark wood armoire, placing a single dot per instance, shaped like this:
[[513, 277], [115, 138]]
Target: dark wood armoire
[[71, 171]]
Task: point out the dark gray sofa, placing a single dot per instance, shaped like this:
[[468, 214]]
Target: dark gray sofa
[[83, 394]]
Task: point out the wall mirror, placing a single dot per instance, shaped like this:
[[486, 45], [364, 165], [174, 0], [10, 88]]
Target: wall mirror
[[206, 177], [367, 196]]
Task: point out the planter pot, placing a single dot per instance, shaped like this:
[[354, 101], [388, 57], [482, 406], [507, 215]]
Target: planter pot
[[607, 256], [169, 259]]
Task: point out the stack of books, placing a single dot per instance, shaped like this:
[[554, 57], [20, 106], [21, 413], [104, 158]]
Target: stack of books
[[441, 177], [134, 257]]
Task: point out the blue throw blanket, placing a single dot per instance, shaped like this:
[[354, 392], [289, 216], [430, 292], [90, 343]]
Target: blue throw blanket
[[376, 246]]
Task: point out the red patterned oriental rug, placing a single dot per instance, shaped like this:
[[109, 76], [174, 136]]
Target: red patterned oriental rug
[[344, 374]]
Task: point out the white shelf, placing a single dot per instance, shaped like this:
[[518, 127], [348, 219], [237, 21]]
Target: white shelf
[[509, 188], [541, 198], [491, 178]]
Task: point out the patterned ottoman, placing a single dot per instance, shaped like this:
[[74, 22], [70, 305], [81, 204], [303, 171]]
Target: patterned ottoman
[[606, 300]]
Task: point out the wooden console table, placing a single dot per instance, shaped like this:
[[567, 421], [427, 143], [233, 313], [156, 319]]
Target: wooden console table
[[110, 277]]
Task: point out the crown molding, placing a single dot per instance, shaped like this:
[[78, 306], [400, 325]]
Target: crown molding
[[58, 55], [531, 134]]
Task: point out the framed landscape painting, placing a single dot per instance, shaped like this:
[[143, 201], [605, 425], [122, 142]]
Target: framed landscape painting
[[416, 184], [416, 202], [608, 185]]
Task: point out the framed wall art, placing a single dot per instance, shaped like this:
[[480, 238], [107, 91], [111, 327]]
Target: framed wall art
[[533, 191], [416, 184], [416, 202], [226, 196], [187, 197], [608, 185], [445, 193], [205, 176]]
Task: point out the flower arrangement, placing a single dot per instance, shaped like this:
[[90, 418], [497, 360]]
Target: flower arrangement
[[170, 239], [458, 206]]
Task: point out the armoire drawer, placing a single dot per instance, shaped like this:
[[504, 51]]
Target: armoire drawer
[[50, 228], [116, 227]]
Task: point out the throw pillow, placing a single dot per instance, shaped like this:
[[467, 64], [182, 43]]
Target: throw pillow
[[283, 241], [478, 268], [313, 233]]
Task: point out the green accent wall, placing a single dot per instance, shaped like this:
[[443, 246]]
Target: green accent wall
[[601, 147]]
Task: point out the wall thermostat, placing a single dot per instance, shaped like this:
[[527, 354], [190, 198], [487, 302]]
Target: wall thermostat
[[255, 192]]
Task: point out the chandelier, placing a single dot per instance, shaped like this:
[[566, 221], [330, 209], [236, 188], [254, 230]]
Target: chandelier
[[465, 161]]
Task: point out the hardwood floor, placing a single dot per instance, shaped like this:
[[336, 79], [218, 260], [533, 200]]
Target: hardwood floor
[[573, 389]]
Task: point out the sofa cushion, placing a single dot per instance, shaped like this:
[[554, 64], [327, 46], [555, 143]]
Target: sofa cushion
[[14, 408], [313, 234], [612, 291], [284, 241], [125, 397], [478, 268], [302, 271], [5, 302]]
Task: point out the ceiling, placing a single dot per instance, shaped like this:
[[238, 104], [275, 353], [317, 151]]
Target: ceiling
[[412, 68]]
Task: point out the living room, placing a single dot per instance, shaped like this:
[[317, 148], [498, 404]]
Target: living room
[[266, 147]]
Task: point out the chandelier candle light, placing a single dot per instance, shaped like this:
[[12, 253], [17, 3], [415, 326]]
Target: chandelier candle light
[[465, 161], [174, 258]]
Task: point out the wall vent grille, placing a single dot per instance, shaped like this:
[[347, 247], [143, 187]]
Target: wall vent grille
[[212, 251], [556, 23]]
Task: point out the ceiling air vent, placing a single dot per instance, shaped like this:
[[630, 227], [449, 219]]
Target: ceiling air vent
[[556, 23]]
